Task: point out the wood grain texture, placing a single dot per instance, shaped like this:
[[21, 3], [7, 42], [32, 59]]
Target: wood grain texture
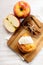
[[13, 41]]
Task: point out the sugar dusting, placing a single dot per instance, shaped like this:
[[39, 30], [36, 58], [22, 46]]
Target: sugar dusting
[[25, 40]]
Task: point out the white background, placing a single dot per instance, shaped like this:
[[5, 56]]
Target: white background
[[7, 56]]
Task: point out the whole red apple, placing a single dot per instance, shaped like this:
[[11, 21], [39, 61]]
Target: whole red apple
[[21, 9]]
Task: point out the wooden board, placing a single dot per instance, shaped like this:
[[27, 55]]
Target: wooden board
[[13, 41]]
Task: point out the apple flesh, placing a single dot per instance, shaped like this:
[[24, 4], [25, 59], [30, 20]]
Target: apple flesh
[[15, 22], [9, 26], [21, 9], [11, 23]]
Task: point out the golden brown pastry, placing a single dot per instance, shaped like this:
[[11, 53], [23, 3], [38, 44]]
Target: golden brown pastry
[[26, 44]]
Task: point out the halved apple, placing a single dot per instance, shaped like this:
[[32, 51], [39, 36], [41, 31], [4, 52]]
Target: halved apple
[[15, 22], [11, 23]]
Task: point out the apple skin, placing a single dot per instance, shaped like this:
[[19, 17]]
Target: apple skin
[[10, 23], [25, 12]]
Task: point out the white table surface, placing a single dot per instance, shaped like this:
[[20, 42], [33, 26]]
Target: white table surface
[[7, 56]]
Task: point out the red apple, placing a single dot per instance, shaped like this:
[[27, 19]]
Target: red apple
[[21, 9]]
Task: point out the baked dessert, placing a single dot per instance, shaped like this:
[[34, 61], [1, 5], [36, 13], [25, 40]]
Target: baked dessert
[[26, 43]]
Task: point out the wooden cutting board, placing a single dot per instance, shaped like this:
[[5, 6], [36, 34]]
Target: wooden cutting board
[[13, 41]]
